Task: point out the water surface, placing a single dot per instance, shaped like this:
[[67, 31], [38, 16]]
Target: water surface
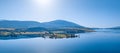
[[103, 41]]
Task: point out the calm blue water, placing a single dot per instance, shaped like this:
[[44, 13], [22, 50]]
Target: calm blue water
[[103, 41]]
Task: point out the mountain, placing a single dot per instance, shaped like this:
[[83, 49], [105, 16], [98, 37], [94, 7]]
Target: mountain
[[18, 24], [30, 24], [118, 27], [61, 24]]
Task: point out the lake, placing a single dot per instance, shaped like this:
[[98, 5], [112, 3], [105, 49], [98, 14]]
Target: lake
[[102, 41]]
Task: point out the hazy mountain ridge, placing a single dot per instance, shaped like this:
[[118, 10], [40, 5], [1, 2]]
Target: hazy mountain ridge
[[18, 24], [30, 24], [118, 27], [61, 23]]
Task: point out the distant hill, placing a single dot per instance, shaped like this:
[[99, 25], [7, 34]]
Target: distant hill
[[18, 24], [118, 27], [61, 24], [31, 24]]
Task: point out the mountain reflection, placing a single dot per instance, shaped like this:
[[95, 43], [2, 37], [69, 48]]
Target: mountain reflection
[[49, 36]]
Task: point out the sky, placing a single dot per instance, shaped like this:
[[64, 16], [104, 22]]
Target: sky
[[89, 13]]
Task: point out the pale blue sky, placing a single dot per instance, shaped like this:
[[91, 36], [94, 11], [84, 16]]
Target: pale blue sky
[[89, 13]]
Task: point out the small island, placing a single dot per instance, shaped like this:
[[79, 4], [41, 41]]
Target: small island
[[29, 29], [12, 33]]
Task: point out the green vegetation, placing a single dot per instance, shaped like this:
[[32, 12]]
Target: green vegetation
[[53, 29], [43, 32], [61, 35]]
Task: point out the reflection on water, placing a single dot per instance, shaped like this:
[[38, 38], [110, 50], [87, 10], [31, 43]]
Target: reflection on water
[[55, 36], [95, 42]]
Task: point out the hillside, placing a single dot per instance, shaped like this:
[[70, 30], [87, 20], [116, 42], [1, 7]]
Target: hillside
[[30, 24], [18, 24], [61, 24], [118, 27]]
